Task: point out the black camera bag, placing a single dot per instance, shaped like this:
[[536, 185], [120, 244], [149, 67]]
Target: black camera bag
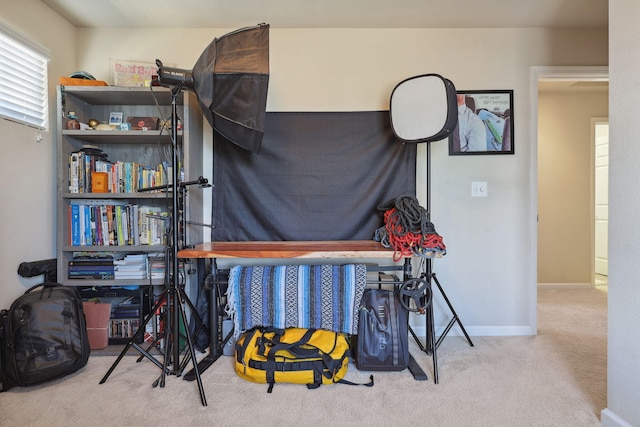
[[382, 343], [43, 336]]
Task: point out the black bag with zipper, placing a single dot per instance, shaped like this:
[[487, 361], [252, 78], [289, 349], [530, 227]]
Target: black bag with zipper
[[382, 343], [43, 336]]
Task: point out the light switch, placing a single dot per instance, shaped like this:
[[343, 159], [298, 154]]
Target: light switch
[[479, 189]]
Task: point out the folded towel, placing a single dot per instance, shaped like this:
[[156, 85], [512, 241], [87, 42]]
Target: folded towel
[[296, 296]]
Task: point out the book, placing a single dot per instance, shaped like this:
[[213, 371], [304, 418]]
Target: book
[[111, 238], [104, 225], [145, 224], [88, 275], [74, 163], [75, 225], [128, 313], [119, 231], [95, 264]]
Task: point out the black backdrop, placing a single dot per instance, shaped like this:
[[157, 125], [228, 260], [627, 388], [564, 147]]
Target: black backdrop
[[318, 176]]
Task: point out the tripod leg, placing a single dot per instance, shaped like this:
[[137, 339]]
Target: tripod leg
[[158, 336], [215, 349], [165, 364], [431, 335], [455, 318], [199, 328], [135, 338], [182, 296]]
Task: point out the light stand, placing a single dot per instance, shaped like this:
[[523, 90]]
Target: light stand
[[173, 295], [424, 109], [431, 343]]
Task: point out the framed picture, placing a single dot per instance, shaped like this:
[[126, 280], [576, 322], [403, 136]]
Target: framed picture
[[115, 118], [485, 123]]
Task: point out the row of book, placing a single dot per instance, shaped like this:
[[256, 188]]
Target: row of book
[[116, 224], [123, 328], [122, 177], [126, 267]]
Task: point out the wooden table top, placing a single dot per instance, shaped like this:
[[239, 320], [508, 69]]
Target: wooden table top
[[289, 249]]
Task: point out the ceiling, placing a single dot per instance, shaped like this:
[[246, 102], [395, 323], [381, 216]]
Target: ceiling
[[334, 13]]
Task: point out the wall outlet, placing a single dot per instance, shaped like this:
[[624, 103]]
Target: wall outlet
[[479, 189]]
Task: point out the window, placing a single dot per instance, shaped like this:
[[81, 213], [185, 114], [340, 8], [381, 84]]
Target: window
[[23, 81]]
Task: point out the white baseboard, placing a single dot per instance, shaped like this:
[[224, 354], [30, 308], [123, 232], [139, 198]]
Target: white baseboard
[[564, 285], [610, 419], [479, 331]]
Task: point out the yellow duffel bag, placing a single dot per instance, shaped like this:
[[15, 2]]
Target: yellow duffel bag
[[293, 355]]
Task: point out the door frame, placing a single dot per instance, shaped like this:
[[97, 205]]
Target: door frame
[[538, 73], [594, 121]]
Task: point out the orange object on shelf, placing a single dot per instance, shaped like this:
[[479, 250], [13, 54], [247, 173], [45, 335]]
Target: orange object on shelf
[[69, 81]]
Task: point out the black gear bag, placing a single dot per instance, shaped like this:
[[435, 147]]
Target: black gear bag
[[43, 336], [382, 343]]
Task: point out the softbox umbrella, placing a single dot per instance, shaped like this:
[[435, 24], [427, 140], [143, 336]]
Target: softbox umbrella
[[230, 79]]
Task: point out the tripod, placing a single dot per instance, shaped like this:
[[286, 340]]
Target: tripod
[[174, 295], [432, 343]]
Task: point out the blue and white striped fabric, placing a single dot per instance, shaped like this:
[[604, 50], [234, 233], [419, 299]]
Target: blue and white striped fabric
[[300, 296]]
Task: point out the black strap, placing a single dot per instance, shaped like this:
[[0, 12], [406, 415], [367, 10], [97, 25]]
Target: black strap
[[369, 384], [49, 285], [242, 349], [395, 346], [67, 313], [292, 347]]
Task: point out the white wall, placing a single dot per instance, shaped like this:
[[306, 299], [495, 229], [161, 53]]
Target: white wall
[[623, 367], [27, 167], [488, 261], [487, 272]]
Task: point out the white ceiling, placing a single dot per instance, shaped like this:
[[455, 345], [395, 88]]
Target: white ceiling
[[334, 13]]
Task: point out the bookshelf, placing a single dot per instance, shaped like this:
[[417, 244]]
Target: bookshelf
[[128, 308], [126, 156]]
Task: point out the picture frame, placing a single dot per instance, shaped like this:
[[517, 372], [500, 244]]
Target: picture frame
[[487, 120], [115, 118]]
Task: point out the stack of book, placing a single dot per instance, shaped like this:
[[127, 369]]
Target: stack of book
[[157, 266], [91, 269], [133, 266]]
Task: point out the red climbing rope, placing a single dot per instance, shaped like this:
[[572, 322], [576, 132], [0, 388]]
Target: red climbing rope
[[408, 243]]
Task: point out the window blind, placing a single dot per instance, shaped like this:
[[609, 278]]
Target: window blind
[[23, 82]]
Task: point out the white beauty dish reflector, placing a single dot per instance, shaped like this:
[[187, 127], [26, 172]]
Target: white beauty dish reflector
[[424, 108]]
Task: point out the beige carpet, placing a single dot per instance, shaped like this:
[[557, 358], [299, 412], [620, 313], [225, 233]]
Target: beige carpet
[[557, 378]]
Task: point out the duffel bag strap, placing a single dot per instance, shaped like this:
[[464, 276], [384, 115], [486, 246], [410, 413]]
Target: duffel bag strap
[[241, 350], [369, 384], [291, 347], [342, 381], [294, 348]]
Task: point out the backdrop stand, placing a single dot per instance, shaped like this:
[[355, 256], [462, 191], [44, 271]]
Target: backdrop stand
[[174, 295]]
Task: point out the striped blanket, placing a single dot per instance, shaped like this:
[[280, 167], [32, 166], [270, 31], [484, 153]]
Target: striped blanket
[[302, 296]]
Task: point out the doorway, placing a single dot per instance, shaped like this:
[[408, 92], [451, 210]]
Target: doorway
[[582, 78]]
